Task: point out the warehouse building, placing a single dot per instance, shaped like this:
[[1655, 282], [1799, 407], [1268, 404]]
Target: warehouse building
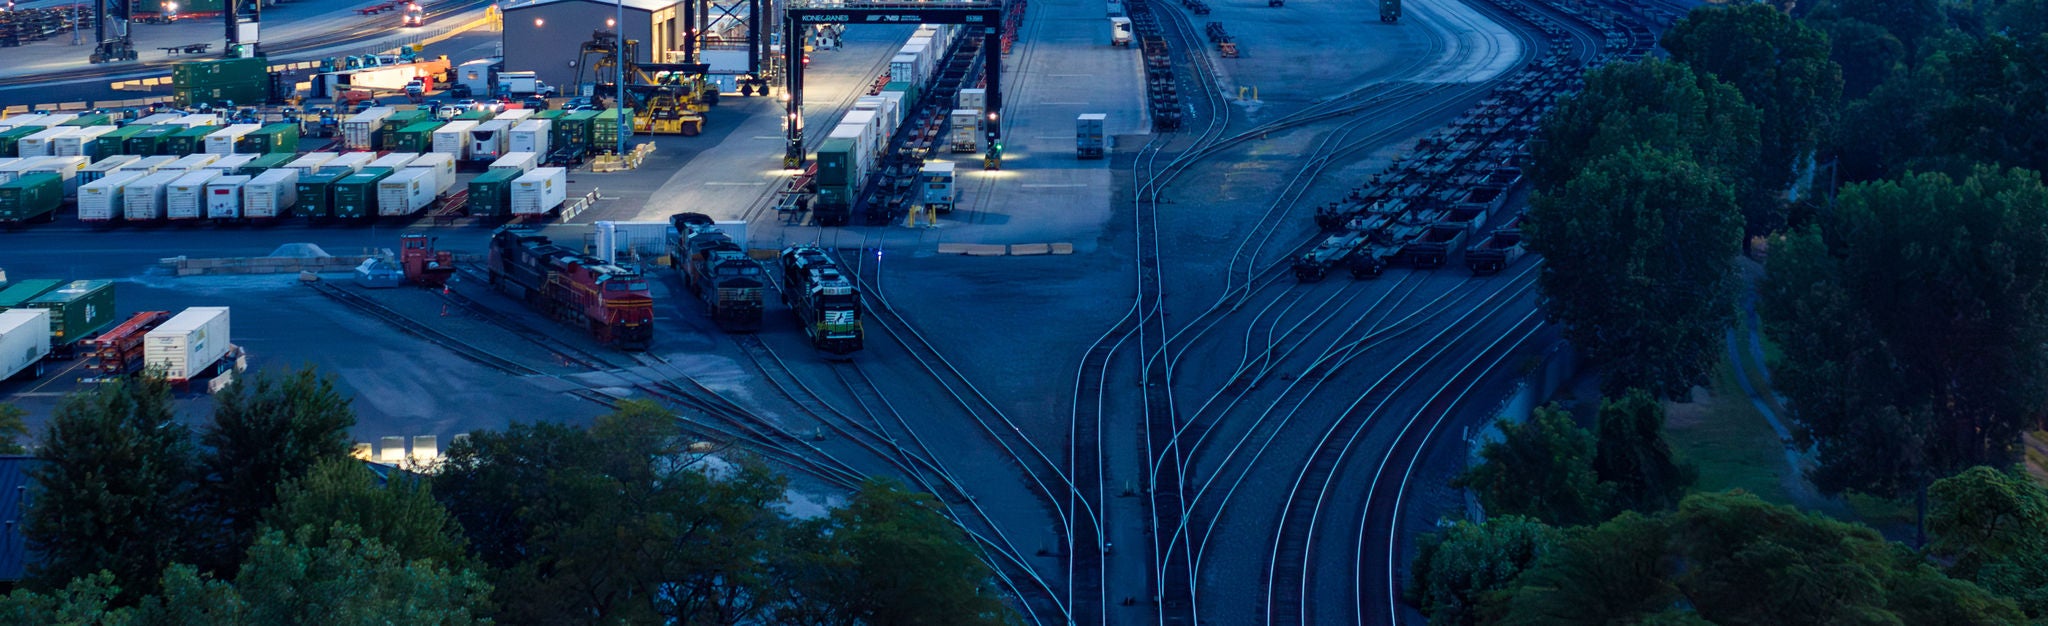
[[547, 36]]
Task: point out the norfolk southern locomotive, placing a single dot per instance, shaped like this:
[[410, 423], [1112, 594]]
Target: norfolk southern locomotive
[[718, 271], [823, 298], [609, 300]]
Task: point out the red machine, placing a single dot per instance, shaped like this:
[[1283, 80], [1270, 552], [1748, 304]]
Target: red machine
[[611, 301], [119, 350], [424, 266]]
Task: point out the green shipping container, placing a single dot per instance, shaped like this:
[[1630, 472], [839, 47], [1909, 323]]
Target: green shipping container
[[387, 129], [909, 90], [30, 197], [219, 72], [91, 119], [572, 131], [415, 138], [604, 129], [282, 137], [266, 163], [490, 195], [150, 140], [355, 197], [834, 159], [79, 309], [316, 192], [242, 94], [476, 115], [22, 292], [116, 141], [550, 114], [9, 139], [186, 8], [187, 141]]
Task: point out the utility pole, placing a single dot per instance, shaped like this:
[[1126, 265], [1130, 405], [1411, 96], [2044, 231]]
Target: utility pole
[[619, 78]]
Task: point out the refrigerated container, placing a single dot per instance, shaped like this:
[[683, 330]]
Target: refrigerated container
[[10, 139], [24, 342], [405, 192], [1089, 141], [359, 131], [99, 201], [198, 120], [188, 344], [223, 141], [65, 167], [270, 194], [228, 164], [265, 162], [490, 140], [453, 138], [442, 165], [99, 169], [540, 191], [521, 162], [14, 169], [352, 161], [530, 136], [143, 200], [191, 162], [185, 198], [394, 160], [83, 141], [115, 142], [355, 197], [966, 130], [160, 118], [224, 198], [149, 164], [43, 142], [307, 163], [490, 193]]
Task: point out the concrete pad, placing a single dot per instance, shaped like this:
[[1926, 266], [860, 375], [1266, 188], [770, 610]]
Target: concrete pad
[[1029, 249]]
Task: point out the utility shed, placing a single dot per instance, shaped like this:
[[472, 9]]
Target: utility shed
[[546, 37]]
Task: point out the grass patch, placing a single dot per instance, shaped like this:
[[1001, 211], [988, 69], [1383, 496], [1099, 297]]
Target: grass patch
[[1724, 436]]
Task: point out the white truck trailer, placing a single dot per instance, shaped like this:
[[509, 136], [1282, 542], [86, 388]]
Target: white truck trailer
[[24, 342]]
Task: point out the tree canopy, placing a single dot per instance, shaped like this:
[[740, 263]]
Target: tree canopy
[[1662, 105], [1633, 457], [1458, 568], [1637, 267], [1912, 330], [267, 429], [1541, 468]]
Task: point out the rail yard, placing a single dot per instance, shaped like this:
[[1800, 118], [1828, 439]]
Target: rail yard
[[1182, 311]]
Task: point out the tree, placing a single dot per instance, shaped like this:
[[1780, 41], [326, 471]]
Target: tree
[[1912, 332], [352, 580], [1658, 104], [12, 429], [1734, 559], [890, 557], [1637, 267], [113, 489], [1992, 528], [1782, 68], [1866, 53], [400, 514], [266, 430], [85, 601], [1633, 457], [1456, 568], [1908, 20], [1541, 468]]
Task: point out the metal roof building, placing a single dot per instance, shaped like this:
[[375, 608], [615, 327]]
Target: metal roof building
[[547, 36], [15, 485]]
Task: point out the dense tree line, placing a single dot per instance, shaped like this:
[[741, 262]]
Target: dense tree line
[[263, 518], [1887, 153]]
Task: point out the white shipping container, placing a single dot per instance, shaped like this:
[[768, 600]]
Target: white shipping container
[[18, 121], [489, 140], [66, 167], [270, 194], [309, 162], [230, 163], [160, 118], [515, 116], [859, 136], [184, 198], [453, 138], [354, 161], [101, 168], [976, 99], [523, 162], [935, 183], [966, 133], [394, 160], [358, 130], [224, 197], [143, 200], [895, 106], [443, 166], [223, 141], [149, 165], [1089, 141], [14, 169], [872, 122], [41, 143], [24, 341], [540, 191], [206, 119], [100, 200], [80, 142], [530, 136], [188, 343], [52, 120], [193, 161], [613, 238], [904, 68], [405, 191]]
